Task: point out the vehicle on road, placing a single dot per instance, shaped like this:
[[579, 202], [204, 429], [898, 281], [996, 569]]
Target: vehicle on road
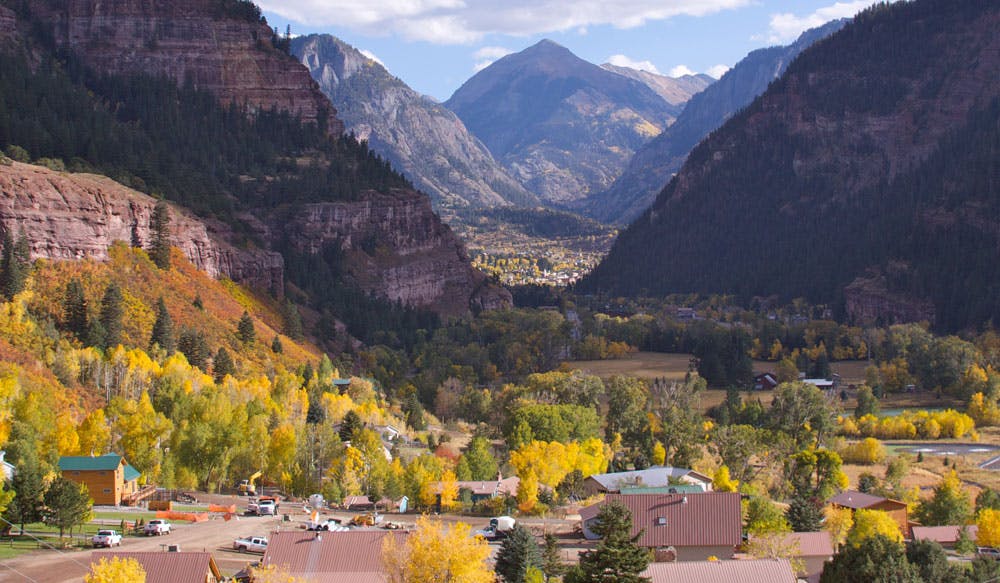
[[988, 553], [156, 526], [262, 507], [107, 538], [499, 528], [250, 544]]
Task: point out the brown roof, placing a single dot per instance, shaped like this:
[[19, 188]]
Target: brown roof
[[330, 557], [356, 501], [811, 544], [707, 519], [943, 534], [857, 500], [757, 571], [164, 567]]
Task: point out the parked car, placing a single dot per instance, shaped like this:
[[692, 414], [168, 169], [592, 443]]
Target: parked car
[[157, 526], [107, 538], [250, 544], [988, 553]]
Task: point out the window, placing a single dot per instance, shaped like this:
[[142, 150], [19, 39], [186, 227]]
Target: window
[[107, 490], [661, 521]]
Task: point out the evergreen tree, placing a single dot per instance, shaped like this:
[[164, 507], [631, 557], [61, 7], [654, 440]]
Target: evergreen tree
[[414, 412], [195, 348], [75, 309], [160, 250], [804, 514], [987, 498], [29, 487], [276, 346], [112, 312], [15, 264], [931, 561], [222, 364], [293, 322], [245, 330], [350, 425], [552, 564], [618, 558], [95, 334], [197, 303], [67, 504], [518, 552], [879, 560], [949, 504], [482, 463], [163, 329]]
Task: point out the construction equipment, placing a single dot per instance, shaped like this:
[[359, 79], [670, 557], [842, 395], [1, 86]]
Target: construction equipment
[[247, 487]]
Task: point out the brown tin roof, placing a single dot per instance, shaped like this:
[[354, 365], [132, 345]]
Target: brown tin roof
[[706, 519], [167, 567], [755, 571], [330, 557]]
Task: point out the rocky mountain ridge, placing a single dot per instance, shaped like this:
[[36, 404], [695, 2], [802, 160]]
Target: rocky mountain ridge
[[654, 163], [562, 127], [674, 90], [421, 138]]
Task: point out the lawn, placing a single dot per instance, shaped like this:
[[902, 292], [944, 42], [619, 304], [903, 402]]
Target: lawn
[[644, 365]]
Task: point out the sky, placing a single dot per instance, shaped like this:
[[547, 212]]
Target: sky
[[436, 45]]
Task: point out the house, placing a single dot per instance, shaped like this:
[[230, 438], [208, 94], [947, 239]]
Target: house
[[857, 500], [945, 536], [823, 384], [109, 478], [756, 571], [681, 527], [764, 381], [170, 567], [654, 477], [342, 557], [814, 548], [342, 385], [486, 489], [7, 469], [356, 503]]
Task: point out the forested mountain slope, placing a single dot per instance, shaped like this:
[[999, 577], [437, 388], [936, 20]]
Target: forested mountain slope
[[876, 155]]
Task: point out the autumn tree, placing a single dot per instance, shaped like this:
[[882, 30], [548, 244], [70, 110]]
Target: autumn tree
[[618, 558], [94, 434], [112, 312], [436, 552], [776, 545], [482, 464], [949, 504], [721, 482], [872, 523], [988, 524], [838, 522], [163, 329], [803, 411], [449, 491], [115, 570], [273, 574], [763, 515], [159, 251], [245, 330], [518, 553], [67, 504]]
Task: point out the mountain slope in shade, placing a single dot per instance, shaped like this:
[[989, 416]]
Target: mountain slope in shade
[[421, 138], [653, 164], [873, 159], [562, 126], [674, 90]]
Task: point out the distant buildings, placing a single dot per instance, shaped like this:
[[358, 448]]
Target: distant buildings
[[654, 477]]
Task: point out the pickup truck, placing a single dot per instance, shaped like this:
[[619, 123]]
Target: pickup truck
[[156, 526], [107, 538], [262, 507], [251, 544]]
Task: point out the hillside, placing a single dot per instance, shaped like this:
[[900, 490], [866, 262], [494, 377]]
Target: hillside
[[875, 154], [654, 163], [420, 138], [674, 90], [561, 126], [208, 110]]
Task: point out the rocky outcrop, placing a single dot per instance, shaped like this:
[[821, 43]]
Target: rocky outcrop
[[398, 249], [674, 90], [869, 302], [421, 138], [563, 127], [194, 41], [8, 25], [654, 163], [77, 216]]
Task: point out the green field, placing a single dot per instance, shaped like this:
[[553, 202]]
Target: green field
[[643, 365]]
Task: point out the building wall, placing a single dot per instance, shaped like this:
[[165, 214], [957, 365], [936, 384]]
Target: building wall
[[897, 512], [814, 566], [105, 486]]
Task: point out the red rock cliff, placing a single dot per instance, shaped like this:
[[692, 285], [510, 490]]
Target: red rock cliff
[[188, 40]]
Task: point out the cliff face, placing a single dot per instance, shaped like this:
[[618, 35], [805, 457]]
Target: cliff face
[[76, 216], [674, 90], [654, 163], [189, 41], [421, 138]]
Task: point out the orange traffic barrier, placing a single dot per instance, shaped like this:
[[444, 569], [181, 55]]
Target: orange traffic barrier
[[231, 509], [188, 516]]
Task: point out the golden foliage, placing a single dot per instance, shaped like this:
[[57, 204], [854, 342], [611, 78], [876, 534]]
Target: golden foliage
[[437, 553], [551, 461], [988, 523], [868, 523], [721, 482], [867, 451], [838, 523], [911, 425], [116, 570], [273, 574]]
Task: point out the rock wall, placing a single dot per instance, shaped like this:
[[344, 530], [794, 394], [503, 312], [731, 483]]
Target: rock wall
[[8, 25], [868, 301], [78, 216], [397, 248], [188, 40]]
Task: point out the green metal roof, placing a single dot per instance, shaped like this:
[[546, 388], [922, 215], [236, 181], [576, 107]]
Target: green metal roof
[[108, 461], [131, 473]]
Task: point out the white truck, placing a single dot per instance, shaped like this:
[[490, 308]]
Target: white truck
[[107, 538], [156, 526], [250, 544], [499, 528]]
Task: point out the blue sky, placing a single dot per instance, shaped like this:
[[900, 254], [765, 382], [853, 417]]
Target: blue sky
[[435, 45]]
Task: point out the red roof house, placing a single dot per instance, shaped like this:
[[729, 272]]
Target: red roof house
[[170, 567], [330, 557]]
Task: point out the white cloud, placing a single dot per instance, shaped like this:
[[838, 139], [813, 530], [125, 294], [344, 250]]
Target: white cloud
[[623, 61], [680, 71], [786, 27], [487, 55], [372, 56], [467, 21], [717, 71]]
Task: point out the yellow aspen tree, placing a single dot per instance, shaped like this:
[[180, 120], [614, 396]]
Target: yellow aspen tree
[[527, 492], [989, 528], [721, 482], [437, 553], [868, 523], [838, 523], [116, 570], [449, 490]]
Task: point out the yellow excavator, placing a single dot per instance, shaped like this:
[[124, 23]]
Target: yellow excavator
[[247, 487]]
